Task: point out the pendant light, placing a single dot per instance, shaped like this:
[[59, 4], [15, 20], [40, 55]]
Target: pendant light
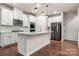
[[42, 13], [47, 10], [35, 9]]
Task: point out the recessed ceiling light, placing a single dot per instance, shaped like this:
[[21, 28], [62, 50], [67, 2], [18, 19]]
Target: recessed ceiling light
[[37, 5], [55, 12]]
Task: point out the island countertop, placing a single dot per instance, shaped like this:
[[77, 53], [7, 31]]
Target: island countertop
[[32, 33]]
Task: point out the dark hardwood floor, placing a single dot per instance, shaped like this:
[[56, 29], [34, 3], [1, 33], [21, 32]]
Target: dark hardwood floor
[[10, 50], [55, 48], [58, 48]]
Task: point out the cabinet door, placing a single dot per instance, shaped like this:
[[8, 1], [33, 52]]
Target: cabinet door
[[25, 20], [5, 39], [32, 18], [20, 13], [16, 14], [41, 24], [13, 38], [4, 16], [10, 17], [50, 21]]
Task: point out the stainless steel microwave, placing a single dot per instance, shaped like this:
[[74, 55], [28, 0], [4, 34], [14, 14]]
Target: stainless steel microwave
[[17, 22]]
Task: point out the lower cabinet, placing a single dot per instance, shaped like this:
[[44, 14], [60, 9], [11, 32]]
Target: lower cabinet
[[13, 37], [7, 38], [4, 39]]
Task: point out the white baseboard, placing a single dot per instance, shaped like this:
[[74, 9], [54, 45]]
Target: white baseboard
[[70, 40], [28, 54]]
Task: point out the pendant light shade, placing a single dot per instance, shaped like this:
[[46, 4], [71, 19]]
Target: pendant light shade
[[35, 9], [43, 11]]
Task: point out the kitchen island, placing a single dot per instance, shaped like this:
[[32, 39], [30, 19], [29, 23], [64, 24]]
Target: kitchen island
[[29, 43]]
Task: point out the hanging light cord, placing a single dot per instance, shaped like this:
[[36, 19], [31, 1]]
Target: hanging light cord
[[42, 8], [47, 10]]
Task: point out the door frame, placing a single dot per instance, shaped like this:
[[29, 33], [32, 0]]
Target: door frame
[[62, 29], [78, 23]]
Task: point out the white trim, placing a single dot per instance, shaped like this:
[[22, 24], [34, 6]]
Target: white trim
[[71, 40], [28, 54], [62, 34]]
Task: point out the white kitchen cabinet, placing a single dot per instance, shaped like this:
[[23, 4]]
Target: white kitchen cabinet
[[54, 19], [25, 20], [4, 39], [32, 18], [18, 14], [41, 23], [6, 16], [10, 17], [50, 21], [13, 37], [7, 38]]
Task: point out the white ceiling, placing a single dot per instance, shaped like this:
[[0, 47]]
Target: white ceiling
[[52, 7]]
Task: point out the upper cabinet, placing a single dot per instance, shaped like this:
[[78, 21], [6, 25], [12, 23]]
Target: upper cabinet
[[6, 16], [53, 19], [32, 18], [25, 20], [41, 23], [10, 17], [50, 21], [18, 14]]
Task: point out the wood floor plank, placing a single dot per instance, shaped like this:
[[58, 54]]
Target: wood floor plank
[[55, 48], [58, 48]]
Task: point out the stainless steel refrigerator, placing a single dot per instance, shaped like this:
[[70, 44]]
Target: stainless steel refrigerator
[[56, 28]]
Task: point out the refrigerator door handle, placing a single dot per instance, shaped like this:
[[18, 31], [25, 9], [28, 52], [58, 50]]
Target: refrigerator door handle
[[57, 27]]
